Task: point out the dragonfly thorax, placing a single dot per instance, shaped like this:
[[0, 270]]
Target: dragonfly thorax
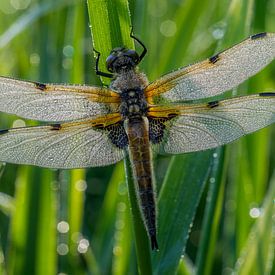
[[133, 103]]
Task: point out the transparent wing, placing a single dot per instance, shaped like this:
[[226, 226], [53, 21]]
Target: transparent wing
[[46, 102], [64, 146], [201, 127], [217, 74]]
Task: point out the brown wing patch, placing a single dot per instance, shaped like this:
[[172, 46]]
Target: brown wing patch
[[159, 118], [113, 124]]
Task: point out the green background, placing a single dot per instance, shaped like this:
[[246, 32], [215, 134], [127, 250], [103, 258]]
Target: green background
[[226, 194]]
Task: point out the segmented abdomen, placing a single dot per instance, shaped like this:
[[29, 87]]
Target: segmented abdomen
[[141, 159]]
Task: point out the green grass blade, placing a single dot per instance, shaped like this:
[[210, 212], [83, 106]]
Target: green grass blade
[[46, 258], [110, 26], [2, 260], [212, 216], [33, 226], [177, 206], [258, 255], [28, 18]]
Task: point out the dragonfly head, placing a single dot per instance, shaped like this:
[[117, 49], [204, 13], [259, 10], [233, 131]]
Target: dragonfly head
[[121, 60]]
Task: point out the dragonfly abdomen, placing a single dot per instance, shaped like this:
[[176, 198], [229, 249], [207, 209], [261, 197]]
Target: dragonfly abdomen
[[141, 161]]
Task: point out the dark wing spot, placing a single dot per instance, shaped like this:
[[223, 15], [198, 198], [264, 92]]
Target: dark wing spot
[[56, 127], [157, 128], [213, 104], [258, 35], [116, 133], [171, 115], [267, 94], [2, 132], [40, 86], [214, 58]]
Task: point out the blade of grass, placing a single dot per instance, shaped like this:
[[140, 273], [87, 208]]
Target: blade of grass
[[2, 260], [110, 26], [123, 232], [104, 239], [18, 228], [32, 225], [211, 221], [178, 201], [46, 258], [29, 17], [258, 255]]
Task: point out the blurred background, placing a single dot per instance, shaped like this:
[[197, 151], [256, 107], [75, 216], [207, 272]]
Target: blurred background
[[78, 222]]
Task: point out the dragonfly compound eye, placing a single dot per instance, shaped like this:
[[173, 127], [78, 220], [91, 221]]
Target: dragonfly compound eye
[[133, 55], [109, 62]]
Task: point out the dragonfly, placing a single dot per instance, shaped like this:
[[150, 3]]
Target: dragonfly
[[89, 126]]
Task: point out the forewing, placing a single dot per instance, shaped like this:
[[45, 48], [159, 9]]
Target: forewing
[[46, 102], [201, 127], [217, 74], [70, 145]]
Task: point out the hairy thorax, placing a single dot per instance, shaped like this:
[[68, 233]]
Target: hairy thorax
[[130, 85], [129, 80]]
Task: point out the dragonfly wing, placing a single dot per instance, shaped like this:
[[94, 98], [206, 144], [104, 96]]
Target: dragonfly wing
[[204, 126], [46, 102], [79, 144], [217, 74]]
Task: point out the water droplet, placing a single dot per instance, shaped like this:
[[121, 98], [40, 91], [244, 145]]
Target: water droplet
[[255, 212], [62, 249], [121, 207], [83, 246], [168, 28], [34, 59], [218, 34], [68, 50], [212, 180], [120, 224], [67, 63], [117, 250], [81, 185], [63, 227]]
